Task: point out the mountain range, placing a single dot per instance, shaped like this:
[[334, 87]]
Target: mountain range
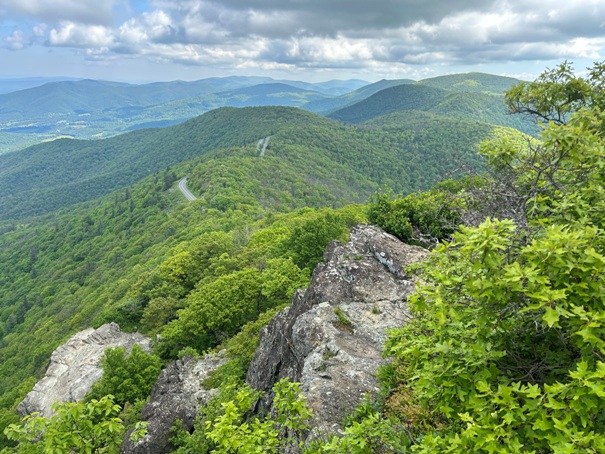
[[88, 109], [94, 231], [94, 109]]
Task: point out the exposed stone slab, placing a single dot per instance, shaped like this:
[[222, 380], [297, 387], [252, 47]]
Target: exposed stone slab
[[75, 366], [336, 361]]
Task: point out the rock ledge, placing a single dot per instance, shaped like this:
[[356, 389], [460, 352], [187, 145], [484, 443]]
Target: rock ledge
[[75, 366], [335, 353]]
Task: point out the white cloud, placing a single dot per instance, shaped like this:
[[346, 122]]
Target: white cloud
[[321, 34], [15, 41], [70, 34]]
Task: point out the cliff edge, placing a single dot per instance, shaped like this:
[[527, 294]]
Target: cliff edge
[[331, 338]]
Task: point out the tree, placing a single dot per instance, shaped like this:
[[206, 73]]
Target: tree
[[506, 352], [275, 433], [128, 378], [215, 311], [92, 427], [423, 218], [307, 242], [557, 93]]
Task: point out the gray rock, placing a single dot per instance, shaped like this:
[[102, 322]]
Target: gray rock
[[336, 362], [177, 394], [75, 366]]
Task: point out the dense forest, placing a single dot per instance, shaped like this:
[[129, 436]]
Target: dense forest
[[58, 174], [89, 109], [505, 349]]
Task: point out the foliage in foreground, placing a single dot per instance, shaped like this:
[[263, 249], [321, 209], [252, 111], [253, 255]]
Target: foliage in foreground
[[506, 352], [422, 218], [91, 428]]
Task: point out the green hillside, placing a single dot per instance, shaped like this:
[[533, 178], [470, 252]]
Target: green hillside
[[472, 83], [101, 261], [473, 105], [389, 100], [436, 132], [504, 350], [326, 106], [60, 173], [47, 176]]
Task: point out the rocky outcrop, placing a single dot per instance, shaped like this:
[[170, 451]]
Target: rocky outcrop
[[177, 394], [75, 366], [330, 339]]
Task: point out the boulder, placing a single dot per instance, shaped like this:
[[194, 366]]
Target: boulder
[[331, 338], [177, 394], [75, 366]]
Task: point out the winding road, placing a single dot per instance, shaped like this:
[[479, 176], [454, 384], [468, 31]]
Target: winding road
[[262, 143], [185, 191], [261, 146]]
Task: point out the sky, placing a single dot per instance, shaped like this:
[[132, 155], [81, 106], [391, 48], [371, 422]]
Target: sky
[[313, 40]]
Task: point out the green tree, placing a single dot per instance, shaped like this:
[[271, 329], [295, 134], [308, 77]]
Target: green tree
[[308, 241], [278, 432], [506, 350], [558, 93], [128, 378], [423, 217], [92, 427], [215, 311]]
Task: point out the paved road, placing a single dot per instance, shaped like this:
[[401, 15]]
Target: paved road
[[184, 190], [262, 143]]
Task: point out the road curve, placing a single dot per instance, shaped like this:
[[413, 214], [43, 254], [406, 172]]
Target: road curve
[[185, 191]]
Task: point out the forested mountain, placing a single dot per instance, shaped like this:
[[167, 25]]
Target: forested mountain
[[473, 105], [101, 260], [327, 106], [95, 109], [474, 96], [97, 231], [52, 175], [86, 265], [89, 108], [472, 82]]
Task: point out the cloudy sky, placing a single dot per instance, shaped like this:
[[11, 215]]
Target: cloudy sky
[[314, 40]]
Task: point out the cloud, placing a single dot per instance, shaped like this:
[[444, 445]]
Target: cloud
[[15, 41], [83, 11], [70, 34], [319, 33]]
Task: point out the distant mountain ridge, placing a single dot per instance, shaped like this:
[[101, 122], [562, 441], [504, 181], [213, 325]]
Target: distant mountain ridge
[[327, 106], [93, 109], [474, 96], [472, 82], [90, 109], [11, 84]]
